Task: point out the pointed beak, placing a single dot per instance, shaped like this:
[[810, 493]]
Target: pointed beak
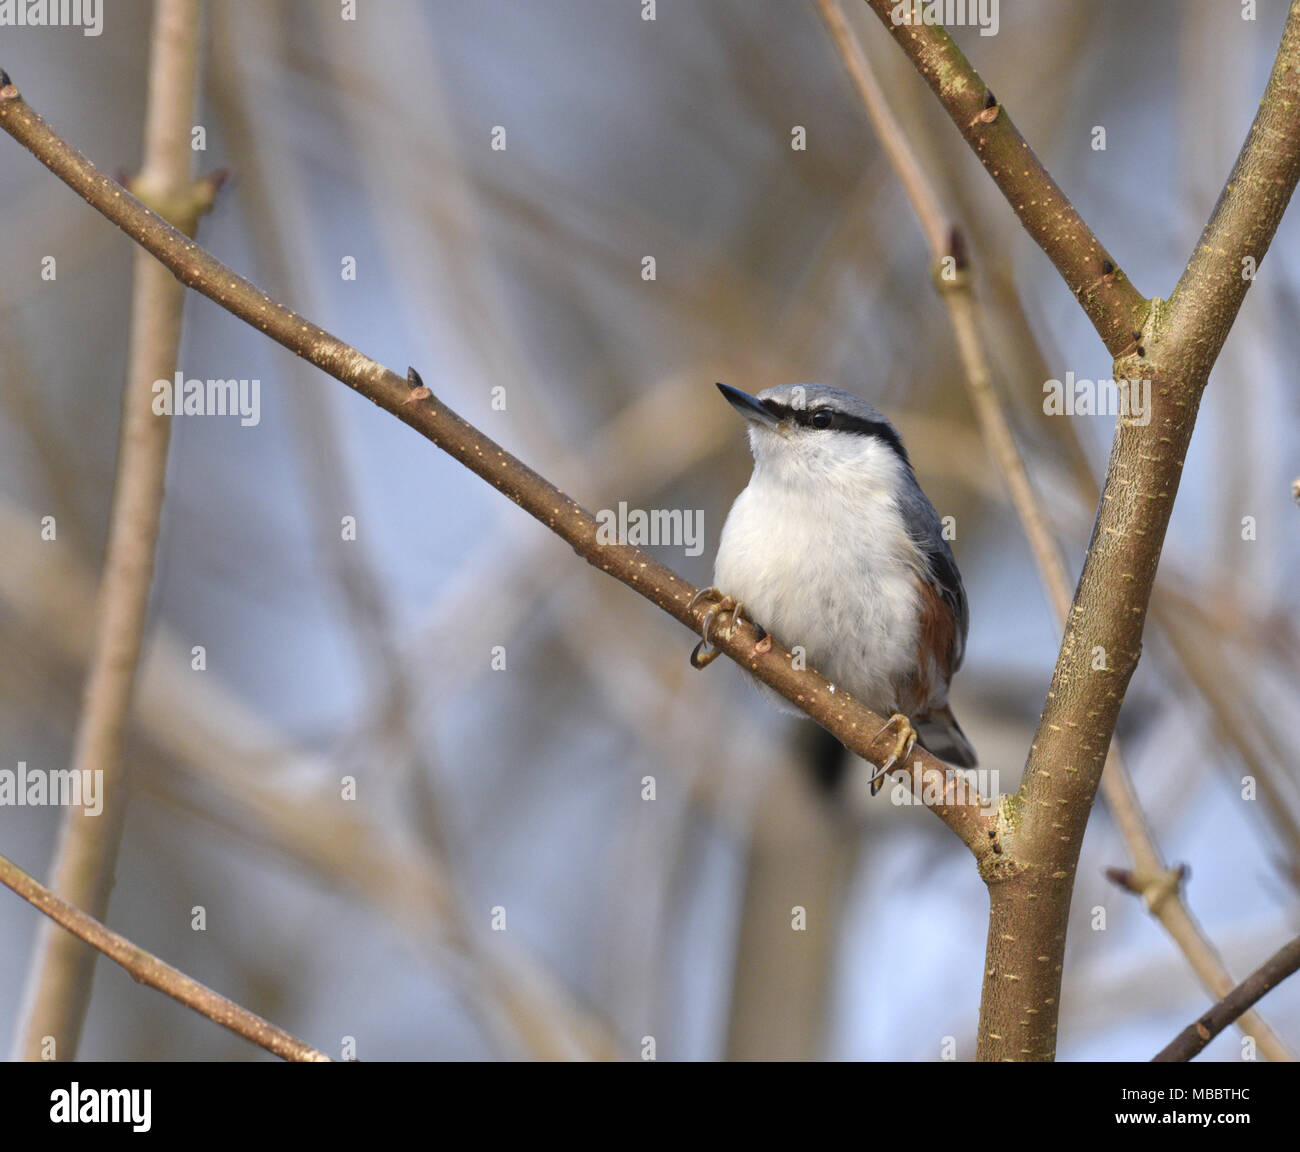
[[747, 405]]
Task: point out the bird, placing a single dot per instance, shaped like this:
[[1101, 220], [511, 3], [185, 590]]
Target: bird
[[833, 546]]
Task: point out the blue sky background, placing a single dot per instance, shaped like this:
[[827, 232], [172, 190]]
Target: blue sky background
[[521, 270]]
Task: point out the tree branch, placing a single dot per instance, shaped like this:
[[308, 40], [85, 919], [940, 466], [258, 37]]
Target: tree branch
[[955, 284], [975, 820], [1102, 643], [59, 982], [1267, 976], [1115, 307], [146, 968]]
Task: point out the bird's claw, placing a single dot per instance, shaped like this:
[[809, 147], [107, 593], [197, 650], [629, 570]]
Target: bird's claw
[[902, 748], [703, 654]]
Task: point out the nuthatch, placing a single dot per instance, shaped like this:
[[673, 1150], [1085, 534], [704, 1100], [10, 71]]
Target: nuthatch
[[833, 546]]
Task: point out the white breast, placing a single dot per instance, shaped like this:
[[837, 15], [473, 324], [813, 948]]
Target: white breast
[[824, 562]]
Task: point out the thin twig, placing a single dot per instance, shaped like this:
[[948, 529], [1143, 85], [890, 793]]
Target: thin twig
[[1267, 976], [148, 969], [974, 819]]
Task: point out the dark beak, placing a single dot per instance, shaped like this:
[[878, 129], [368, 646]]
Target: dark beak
[[746, 405]]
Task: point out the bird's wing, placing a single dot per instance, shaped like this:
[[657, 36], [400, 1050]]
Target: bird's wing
[[926, 531]]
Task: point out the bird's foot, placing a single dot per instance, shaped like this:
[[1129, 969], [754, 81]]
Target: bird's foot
[[902, 748], [703, 655]]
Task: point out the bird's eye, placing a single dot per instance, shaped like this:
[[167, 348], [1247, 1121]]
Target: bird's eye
[[821, 418]]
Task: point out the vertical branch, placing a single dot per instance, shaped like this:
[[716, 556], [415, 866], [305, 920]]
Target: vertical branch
[[1174, 351], [1160, 884], [63, 967], [1030, 905], [782, 978]]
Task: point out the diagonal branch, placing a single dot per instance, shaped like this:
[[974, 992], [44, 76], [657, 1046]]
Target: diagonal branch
[[1115, 307], [146, 968], [975, 820], [1266, 977]]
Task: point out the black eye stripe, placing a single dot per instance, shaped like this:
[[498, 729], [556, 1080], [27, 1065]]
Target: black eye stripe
[[840, 422]]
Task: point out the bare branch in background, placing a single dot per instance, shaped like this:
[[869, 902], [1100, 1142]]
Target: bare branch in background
[[213, 744], [1115, 307], [62, 969], [1267, 976], [148, 969]]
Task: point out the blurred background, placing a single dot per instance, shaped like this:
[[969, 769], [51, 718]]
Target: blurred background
[[512, 797]]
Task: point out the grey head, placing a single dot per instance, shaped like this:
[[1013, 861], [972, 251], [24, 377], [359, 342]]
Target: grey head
[[816, 407]]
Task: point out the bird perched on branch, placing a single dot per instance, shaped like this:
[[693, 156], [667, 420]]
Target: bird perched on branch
[[834, 547]]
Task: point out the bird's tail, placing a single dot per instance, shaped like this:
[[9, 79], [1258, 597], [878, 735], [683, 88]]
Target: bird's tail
[[941, 735]]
